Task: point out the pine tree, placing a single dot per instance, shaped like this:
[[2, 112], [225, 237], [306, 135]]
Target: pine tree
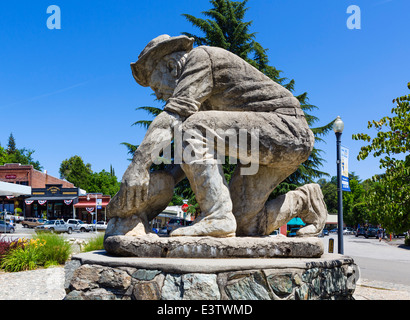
[[11, 146]]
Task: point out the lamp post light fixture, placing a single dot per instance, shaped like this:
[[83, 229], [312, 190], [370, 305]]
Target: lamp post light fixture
[[338, 127]]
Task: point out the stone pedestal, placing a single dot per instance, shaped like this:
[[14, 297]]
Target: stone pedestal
[[211, 247], [97, 275]]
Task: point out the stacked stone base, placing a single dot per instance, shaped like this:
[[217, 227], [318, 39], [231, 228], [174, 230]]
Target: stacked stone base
[[96, 276]]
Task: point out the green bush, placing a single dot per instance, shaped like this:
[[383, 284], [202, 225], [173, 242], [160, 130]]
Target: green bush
[[6, 244], [55, 251], [20, 259], [43, 250], [407, 241], [96, 243]]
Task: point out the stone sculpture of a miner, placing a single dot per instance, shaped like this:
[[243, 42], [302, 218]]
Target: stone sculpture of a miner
[[210, 91]]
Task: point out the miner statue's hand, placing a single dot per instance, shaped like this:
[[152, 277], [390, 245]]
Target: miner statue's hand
[[133, 194]]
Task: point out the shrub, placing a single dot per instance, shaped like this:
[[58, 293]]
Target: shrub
[[21, 259], [6, 245], [43, 250], [407, 241], [96, 243], [55, 251]]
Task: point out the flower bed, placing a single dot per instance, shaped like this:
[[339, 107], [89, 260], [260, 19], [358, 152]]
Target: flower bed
[[27, 254]]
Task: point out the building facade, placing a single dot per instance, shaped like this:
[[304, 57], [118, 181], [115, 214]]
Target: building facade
[[51, 198], [28, 176], [51, 202], [88, 204]]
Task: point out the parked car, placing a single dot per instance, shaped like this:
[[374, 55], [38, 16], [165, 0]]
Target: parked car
[[32, 222], [6, 227], [54, 226], [101, 226], [163, 231], [78, 225], [348, 231], [14, 218], [333, 230], [176, 223], [371, 232], [360, 232], [325, 232], [275, 233], [403, 234], [18, 218]]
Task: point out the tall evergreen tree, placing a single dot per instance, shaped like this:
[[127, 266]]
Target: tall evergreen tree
[[11, 146]]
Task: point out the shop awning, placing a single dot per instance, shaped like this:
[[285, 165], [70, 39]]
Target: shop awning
[[90, 204], [16, 190], [331, 219], [296, 222], [167, 215], [51, 198]]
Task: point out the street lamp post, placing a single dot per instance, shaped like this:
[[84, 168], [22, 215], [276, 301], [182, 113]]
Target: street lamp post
[[338, 127]]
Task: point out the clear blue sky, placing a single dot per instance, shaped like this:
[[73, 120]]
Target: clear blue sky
[[70, 91]]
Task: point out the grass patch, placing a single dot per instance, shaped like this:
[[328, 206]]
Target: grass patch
[[96, 243], [56, 249]]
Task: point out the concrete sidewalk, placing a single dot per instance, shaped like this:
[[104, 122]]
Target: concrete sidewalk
[[378, 290]]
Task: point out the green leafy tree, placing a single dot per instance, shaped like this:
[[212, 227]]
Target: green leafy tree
[[329, 191], [80, 174], [24, 156], [354, 204], [75, 171], [104, 182], [3, 155], [389, 197]]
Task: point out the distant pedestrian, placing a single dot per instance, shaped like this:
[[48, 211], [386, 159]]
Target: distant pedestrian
[[380, 234]]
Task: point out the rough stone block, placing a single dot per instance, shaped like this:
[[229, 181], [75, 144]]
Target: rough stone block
[[146, 291], [252, 287], [210, 247], [190, 287]]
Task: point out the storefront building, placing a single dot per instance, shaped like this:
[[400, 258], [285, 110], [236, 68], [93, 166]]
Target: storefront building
[[52, 202], [88, 204], [51, 197]]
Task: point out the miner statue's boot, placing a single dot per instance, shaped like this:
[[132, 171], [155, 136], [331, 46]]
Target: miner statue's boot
[[212, 193]]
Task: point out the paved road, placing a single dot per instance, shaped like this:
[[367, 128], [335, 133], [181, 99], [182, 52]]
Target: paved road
[[378, 261], [28, 233]]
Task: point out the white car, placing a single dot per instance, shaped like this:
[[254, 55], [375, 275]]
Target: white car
[[54, 226], [101, 226], [78, 225]]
